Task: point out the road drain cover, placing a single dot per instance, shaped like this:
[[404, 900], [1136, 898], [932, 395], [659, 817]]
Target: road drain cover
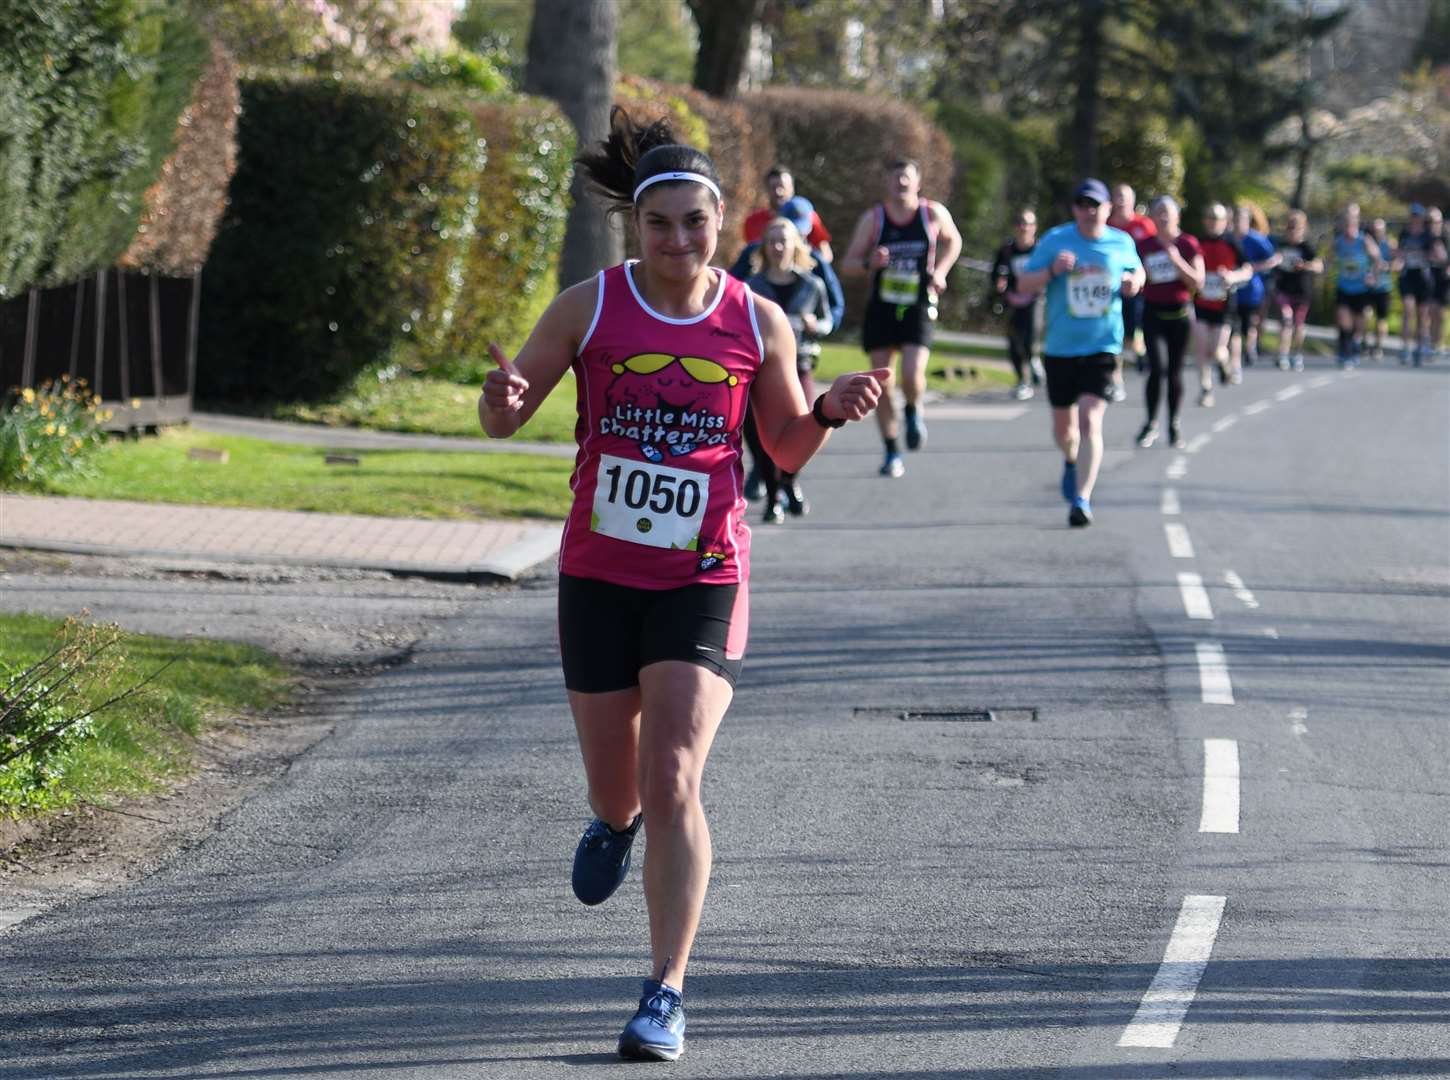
[[960, 716]]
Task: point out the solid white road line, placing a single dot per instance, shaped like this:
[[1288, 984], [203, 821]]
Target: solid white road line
[[1197, 443], [1161, 1012], [1213, 681], [1170, 502], [1179, 545], [1223, 424], [1195, 596], [1241, 591], [1258, 407], [1177, 468], [1288, 392], [1220, 786]]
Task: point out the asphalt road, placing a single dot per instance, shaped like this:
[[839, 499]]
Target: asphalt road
[[1176, 845]]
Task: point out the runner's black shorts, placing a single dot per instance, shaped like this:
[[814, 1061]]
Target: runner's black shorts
[[1380, 301], [1355, 301], [1210, 316], [882, 329], [1414, 284], [608, 632], [1069, 377]]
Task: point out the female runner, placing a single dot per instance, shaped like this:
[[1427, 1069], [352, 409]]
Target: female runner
[[654, 560], [782, 272]]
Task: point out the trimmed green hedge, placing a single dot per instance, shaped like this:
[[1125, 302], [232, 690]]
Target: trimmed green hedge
[[376, 222], [90, 91]]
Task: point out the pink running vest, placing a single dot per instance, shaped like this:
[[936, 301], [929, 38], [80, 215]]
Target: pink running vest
[[657, 481]]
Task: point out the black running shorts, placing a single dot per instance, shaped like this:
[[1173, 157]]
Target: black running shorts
[[888, 326], [1380, 301], [1414, 284], [1354, 301], [1069, 377], [608, 632]]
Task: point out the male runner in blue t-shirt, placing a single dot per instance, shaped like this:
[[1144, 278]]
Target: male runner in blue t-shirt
[[1087, 268]]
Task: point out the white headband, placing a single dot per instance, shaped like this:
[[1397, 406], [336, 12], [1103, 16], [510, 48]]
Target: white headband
[[696, 177]]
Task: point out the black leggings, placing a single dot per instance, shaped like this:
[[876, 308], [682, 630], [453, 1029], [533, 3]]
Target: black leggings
[[1167, 340], [769, 472], [1021, 324]]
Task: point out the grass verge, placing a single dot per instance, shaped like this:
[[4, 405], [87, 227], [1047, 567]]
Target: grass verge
[[137, 744], [278, 476], [436, 407]]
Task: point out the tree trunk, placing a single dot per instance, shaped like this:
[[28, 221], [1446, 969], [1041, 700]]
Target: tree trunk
[[1087, 75], [724, 27], [571, 60]]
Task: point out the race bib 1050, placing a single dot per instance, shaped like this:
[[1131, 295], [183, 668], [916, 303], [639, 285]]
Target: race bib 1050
[[649, 504]]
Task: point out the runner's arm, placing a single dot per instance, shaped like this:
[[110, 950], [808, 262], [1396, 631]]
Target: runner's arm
[[1191, 273], [513, 391], [861, 257], [783, 417], [949, 244]]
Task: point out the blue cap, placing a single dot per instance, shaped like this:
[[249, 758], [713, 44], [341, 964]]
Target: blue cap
[[799, 212], [1092, 189], [1417, 210]]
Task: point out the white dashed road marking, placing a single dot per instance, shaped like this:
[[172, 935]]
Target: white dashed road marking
[[1220, 786], [1224, 424], [1177, 468], [1170, 502], [1296, 721], [1195, 596], [1288, 392], [1241, 591], [1213, 681], [1179, 545], [1257, 407], [1197, 443], [1323, 380], [1161, 1012]]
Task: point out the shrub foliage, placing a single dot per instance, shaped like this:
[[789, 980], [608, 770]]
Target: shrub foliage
[[90, 91], [376, 222]]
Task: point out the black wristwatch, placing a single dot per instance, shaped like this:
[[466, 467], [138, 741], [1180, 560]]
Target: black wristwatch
[[821, 417]]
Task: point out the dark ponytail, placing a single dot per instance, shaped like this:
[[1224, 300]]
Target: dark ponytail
[[631, 154]]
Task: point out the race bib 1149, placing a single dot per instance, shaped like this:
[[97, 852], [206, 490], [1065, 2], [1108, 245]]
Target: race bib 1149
[[1089, 292], [653, 505]]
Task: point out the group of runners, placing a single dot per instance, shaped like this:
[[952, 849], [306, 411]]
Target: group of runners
[[670, 356], [906, 245], [1202, 295]]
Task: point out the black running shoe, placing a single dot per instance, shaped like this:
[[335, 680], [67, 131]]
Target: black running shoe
[[915, 431], [602, 859], [1081, 513]]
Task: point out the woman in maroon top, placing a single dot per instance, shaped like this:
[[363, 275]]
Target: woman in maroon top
[[1174, 265]]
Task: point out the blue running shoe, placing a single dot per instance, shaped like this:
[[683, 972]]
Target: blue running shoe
[[1069, 480], [602, 859], [657, 1032], [893, 466], [915, 431], [1081, 513]]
